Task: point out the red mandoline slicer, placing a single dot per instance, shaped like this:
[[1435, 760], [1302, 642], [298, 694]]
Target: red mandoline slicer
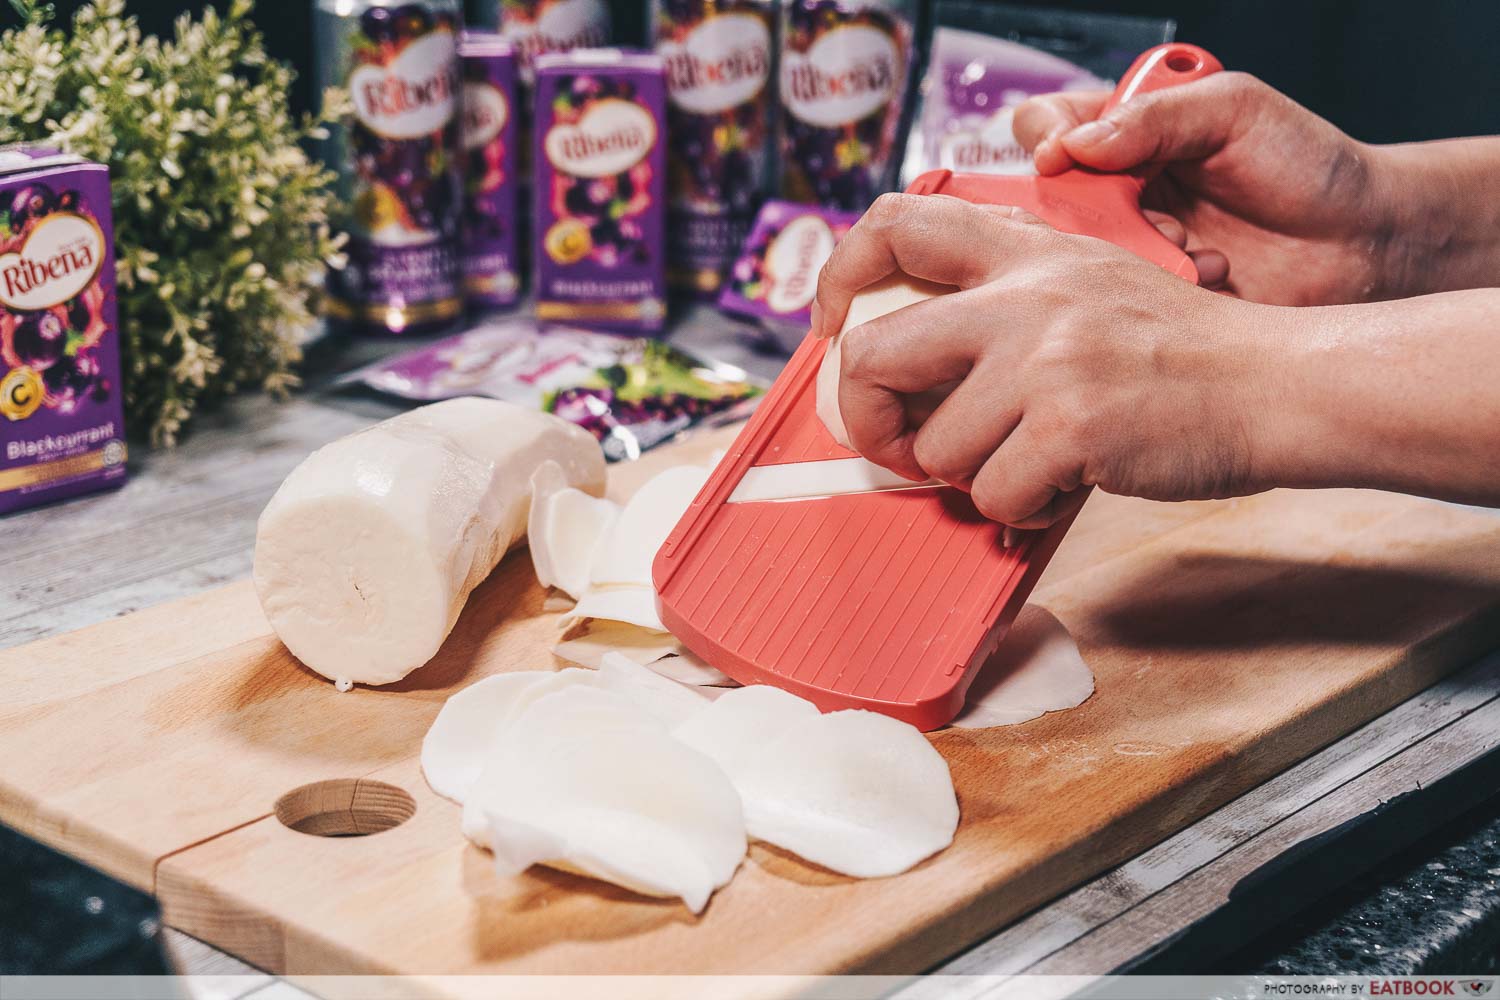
[[888, 599]]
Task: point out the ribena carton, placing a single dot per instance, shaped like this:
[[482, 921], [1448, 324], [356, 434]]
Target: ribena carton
[[600, 156], [62, 425]]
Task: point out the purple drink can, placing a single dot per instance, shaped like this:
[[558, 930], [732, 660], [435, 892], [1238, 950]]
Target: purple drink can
[[718, 61], [844, 70], [537, 27], [399, 156], [62, 420], [491, 272], [600, 156]]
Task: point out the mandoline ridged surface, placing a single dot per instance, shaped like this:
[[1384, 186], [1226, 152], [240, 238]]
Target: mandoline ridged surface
[[878, 600], [867, 600]]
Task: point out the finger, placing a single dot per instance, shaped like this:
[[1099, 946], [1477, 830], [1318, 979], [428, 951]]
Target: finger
[[1213, 267], [966, 429], [920, 406], [1187, 122], [1017, 485], [1061, 506], [1039, 121], [885, 362], [915, 235], [1168, 226]]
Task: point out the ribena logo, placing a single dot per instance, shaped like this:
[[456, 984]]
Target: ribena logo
[[562, 27], [59, 259], [612, 136], [991, 149], [412, 96], [973, 153], [846, 75], [485, 114], [793, 260], [722, 63], [534, 43]]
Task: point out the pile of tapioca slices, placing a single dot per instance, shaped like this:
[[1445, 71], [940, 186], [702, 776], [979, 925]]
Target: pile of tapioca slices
[[650, 769]]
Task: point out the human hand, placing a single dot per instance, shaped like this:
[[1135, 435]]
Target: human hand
[[1279, 206], [1076, 363]]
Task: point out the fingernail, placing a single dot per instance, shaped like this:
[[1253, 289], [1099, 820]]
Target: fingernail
[[817, 320], [1009, 537], [1092, 132]]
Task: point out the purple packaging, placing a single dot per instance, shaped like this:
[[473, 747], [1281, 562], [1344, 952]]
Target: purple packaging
[[600, 157], [720, 101], [845, 65], [776, 276], [62, 423], [972, 87], [975, 80], [632, 393], [399, 156], [537, 27], [491, 214]]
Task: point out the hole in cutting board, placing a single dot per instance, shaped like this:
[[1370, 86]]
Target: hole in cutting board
[[345, 807]]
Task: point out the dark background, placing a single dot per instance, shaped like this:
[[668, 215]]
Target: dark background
[[1383, 70]]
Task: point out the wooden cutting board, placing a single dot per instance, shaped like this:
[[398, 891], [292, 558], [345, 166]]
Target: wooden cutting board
[[1229, 640]]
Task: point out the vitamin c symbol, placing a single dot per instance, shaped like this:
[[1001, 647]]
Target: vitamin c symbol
[[568, 241], [20, 393]]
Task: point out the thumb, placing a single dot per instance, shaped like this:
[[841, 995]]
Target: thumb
[[1186, 122]]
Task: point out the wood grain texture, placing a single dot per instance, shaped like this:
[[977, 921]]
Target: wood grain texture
[[1126, 900], [1229, 640]]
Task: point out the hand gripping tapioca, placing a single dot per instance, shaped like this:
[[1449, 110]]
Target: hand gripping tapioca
[[802, 565]]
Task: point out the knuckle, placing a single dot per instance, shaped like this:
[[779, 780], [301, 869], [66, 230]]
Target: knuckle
[[1143, 112], [889, 209], [1241, 84], [937, 459], [1243, 93]]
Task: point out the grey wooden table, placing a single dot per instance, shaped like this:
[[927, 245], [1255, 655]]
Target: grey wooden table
[[185, 523]]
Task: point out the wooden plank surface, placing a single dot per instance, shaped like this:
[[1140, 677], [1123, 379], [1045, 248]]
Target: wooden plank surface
[[1109, 922], [1229, 639]]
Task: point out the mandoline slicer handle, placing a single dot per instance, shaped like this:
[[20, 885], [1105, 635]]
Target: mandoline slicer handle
[[1158, 68]]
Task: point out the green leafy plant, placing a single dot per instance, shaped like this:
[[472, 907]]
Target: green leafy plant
[[221, 219]]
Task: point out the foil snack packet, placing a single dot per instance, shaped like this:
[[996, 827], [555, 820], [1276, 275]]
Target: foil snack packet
[[775, 277], [975, 80], [630, 393]]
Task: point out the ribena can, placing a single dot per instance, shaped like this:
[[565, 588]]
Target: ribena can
[[720, 98], [844, 70], [600, 156], [537, 27], [491, 218], [62, 421], [400, 159]]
